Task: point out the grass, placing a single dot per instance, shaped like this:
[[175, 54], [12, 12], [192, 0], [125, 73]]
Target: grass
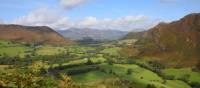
[[91, 77], [178, 73], [98, 59], [111, 51], [177, 84], [79, 49], [50, 50], [139, 76], [11, 49], [14, 51], [81, 61]]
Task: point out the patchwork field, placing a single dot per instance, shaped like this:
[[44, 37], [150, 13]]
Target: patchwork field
[[93, 67]]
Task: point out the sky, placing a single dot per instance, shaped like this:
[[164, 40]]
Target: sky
[[124, 15]]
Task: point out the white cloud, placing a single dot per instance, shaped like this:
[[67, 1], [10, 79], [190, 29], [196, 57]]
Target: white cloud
[[88, 21], [69, 4], [46, 17], [122, 23], [43, 17]]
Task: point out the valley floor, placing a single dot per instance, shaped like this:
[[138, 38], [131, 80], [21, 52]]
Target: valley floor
[[77, 66]]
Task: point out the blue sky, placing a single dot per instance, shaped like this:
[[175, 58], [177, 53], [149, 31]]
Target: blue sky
[[102, 14], [153, 8]]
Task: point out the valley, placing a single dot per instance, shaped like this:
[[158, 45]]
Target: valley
[[102, 66]]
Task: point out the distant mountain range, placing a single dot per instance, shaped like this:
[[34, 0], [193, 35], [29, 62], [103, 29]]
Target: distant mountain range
[[178, 41], [30, 34], [78, 34], [46, 35]]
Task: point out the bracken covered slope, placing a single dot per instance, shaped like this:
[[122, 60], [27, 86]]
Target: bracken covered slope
[[178, 41], [30, 34]]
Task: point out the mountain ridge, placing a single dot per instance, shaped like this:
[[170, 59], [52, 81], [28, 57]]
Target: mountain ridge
[[32, 34], [97, 34]]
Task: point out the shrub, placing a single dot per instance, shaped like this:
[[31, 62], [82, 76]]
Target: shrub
[[79, 71], [169, 77], [110, 71], [150, 86], [185, 78], [155, 66], [66, 82], [195, 85], [89, 62], [162, 87], [38, 67], [110, 62], [129, 71]]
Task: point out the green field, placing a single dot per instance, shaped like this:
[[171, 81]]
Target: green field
[[178, 73], [140, 76], [111, 51], [177, 84], [99, 73], [91, 77], [13, 51], [50, 50]]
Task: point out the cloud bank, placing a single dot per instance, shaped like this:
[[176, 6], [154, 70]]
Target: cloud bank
[[47, 17], [125, 23]]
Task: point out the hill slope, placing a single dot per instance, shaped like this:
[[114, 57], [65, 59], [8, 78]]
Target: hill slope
[[77, 34], [135, 35], [39, 34], [177, 41]]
